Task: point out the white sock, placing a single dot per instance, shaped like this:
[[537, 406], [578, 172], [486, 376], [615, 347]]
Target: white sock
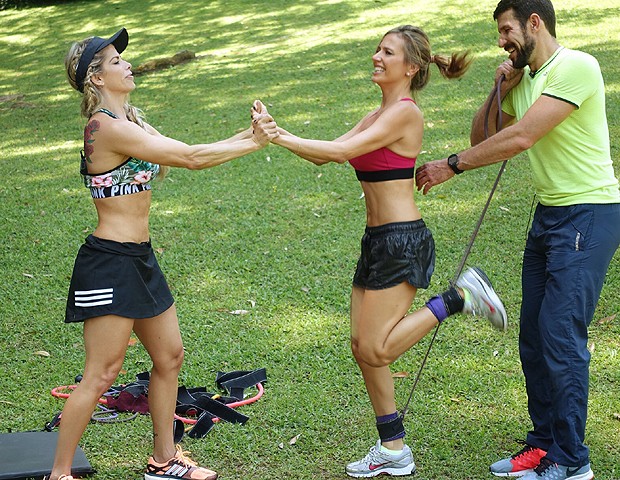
[[391, 452]]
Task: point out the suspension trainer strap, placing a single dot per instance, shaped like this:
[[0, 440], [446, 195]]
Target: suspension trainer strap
[[496, 95], [236, 382]]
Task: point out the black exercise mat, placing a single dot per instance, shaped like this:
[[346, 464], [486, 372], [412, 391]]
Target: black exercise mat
[[25, 455]]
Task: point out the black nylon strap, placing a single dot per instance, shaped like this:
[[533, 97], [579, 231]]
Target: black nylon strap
[[218, 409], [391, 430], [237, 381], [179, 430], [202, 426]]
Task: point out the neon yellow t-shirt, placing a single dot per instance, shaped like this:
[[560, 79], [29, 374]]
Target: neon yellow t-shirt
[[572, 163]]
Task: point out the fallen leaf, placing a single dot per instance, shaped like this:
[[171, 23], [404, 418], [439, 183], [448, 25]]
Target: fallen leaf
[[305, 289], [132, 341], [616, 416], [400, 374], [591, 347], [505, 209], [239, 312], [159, 250], [293, 440], [253, 303], [42, 353], [609, 319], [454, 399], [29, 275], [280, 445]]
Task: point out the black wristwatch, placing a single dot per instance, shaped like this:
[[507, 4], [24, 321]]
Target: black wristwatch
[[453, 163]]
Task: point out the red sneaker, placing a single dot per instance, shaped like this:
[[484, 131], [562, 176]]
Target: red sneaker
[[522, 462]]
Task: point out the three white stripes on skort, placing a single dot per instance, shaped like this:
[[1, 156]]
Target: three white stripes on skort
[[94, 298]]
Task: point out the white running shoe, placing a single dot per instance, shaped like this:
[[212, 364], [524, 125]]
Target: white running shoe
[[481, 299], [378, 462]]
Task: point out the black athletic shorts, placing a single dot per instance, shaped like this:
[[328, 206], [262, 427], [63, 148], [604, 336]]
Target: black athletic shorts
[[113, 278], [394, 253]]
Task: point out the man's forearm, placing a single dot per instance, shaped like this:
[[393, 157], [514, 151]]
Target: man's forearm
[[504, 145]]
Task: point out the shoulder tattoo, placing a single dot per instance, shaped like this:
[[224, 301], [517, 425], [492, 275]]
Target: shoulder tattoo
[[89, 147]]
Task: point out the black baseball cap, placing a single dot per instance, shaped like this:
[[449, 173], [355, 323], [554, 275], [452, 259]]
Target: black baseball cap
[[120, 40]]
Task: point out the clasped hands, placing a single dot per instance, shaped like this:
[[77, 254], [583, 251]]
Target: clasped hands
[[264, 127]]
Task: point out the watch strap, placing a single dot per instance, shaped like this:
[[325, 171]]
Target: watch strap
[[453, 161]]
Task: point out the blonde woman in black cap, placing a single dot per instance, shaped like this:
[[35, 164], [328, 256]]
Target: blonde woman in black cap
[[117, 286]]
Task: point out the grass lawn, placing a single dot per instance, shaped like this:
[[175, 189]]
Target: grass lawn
[[277, 236]]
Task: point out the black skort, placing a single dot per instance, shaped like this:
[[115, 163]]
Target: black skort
[[394, 253], [113, 278]]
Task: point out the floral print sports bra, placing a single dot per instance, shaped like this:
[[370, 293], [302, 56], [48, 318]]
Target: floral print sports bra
[[132, 176]]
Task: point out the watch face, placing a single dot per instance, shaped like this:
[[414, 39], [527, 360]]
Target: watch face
[[453, 161]]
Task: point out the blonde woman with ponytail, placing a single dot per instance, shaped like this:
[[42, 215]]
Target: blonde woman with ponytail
[[117, 286], [397, 251]]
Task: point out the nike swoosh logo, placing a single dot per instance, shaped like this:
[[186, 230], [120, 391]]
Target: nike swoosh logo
[[373, 467], [491, 307], [571, 471]]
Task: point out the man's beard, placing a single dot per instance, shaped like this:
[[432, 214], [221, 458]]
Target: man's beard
[[524, 53]]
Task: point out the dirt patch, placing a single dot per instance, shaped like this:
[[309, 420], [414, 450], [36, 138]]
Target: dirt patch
[[165, 62], [14, 101]]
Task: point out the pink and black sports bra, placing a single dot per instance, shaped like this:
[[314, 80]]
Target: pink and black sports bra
[[131, 176], [383, 164]]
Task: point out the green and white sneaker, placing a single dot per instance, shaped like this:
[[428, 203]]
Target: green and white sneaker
[[378, 462], [481, 299]]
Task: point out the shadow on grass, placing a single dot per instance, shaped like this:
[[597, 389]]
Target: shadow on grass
[[324, 90], [26, 4]]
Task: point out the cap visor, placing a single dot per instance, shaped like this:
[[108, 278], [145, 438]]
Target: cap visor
[[120, 40]]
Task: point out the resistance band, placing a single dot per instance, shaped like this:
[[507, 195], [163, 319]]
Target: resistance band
[[495, 95]]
